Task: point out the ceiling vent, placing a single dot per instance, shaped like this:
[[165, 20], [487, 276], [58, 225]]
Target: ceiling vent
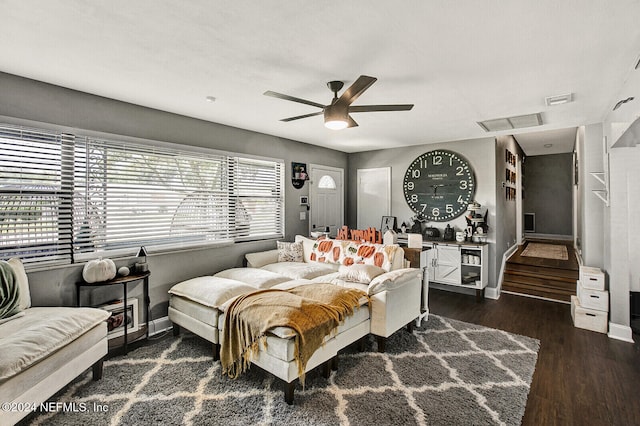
[[558, 99], [509, 123]]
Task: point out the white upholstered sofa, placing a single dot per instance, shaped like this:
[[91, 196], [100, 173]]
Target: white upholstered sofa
[[42, 349], [394, 294]]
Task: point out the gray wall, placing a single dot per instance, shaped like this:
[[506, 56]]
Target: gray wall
[[24, 101], [479, 152], [549, 193]]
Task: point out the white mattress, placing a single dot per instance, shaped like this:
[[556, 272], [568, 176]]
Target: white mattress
[[29, 339], [195, 310]]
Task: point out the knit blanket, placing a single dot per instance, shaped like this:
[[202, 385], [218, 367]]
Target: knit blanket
[[313, 311], [9, 291]]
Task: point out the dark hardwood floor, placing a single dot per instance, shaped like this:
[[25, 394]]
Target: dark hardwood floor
[[581, 377]]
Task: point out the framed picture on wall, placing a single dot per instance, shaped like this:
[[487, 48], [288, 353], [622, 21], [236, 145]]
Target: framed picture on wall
[[388, 222]]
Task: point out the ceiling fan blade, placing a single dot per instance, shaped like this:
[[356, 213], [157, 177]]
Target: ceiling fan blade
[[356, 89], [302, 116], [352, 122], [371, 108], [292, 98]]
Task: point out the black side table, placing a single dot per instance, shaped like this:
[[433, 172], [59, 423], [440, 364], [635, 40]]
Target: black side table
[[124, 281]]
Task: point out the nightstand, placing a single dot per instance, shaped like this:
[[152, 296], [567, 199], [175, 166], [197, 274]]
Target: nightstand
[[124, 281]]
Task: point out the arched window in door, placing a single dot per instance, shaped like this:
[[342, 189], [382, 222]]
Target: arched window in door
[[327, 182]]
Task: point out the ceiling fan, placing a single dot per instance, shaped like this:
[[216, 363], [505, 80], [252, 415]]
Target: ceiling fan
[[336, 114]]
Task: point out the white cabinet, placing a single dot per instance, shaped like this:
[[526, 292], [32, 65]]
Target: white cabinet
[[458, 264], [445, 264]]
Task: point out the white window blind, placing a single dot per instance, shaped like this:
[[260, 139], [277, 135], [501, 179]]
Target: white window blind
[[66, 197], [257, 198], [36, 172], [127, 195]]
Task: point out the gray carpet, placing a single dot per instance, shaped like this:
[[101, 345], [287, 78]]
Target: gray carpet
[[446, 373]]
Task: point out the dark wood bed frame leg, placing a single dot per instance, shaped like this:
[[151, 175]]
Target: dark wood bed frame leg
[[176, 329], [216, 352], [382, 343], [97, 369], [288, 392], [362, 344], [326, 368], [410, 327], [334, 363]]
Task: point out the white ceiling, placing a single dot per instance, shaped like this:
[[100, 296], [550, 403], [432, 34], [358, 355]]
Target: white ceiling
[[458, 62]]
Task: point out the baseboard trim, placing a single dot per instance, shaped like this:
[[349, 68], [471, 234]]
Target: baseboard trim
[[620, 332], [159, 325], [559, 237]]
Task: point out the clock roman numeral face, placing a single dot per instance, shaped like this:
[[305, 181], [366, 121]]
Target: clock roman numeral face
[[439, 185]]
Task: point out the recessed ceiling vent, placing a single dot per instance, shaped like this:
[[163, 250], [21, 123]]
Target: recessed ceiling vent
[[558, 99], [509, 123]]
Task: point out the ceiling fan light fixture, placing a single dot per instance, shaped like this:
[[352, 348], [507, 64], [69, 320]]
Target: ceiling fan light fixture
[[335, 118]]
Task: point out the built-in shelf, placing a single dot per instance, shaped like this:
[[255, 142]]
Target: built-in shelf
[[603, 194], [599, 177]]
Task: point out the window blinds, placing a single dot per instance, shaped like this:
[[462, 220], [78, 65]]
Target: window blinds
[[35, 200], [65, 197]]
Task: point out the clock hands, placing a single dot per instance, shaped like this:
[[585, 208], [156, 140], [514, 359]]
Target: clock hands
[[436, 186]]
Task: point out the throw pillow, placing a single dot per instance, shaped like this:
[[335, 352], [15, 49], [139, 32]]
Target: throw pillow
[[9, 292], [359, 273], [290, 252], [23, 282]]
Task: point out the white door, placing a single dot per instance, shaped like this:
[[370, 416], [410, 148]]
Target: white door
[[326, 198], [374, 196]]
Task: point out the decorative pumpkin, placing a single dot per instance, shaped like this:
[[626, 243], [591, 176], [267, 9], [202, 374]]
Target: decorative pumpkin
[[325, 246], [348, 261], [97, 270], [366, 251], [123, 271], [336, 253], [378, 259]]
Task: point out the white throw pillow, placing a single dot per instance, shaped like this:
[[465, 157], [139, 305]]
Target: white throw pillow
[[290, 252], [359, 273], [23, 282]]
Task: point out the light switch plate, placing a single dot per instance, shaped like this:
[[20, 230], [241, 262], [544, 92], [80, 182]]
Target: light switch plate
[[303, 215]]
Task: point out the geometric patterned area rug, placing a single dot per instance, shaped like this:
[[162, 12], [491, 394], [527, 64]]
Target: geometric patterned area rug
[[446, 372], [546, 251]]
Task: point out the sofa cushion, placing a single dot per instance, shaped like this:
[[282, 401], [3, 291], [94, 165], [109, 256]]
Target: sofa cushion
[[359, 273], [261, 258], [210, 291], [255, 277], [41, 332], [307, 246], [300, 270], [290, 252]]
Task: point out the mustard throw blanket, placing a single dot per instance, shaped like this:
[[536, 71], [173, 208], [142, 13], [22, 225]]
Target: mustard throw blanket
[[313, 311]]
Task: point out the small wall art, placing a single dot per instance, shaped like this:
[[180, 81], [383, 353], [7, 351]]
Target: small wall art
[[298, 174]]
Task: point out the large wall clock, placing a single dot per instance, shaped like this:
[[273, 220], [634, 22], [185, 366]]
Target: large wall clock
[[439, 185]]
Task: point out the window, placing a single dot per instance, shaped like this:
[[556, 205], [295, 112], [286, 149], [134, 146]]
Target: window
[[35, 208], [326, 182], [66, 196]]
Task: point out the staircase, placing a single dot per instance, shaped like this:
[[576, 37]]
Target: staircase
[[549, 279]]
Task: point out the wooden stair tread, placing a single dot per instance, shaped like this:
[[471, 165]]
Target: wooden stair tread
[[556, 273]]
